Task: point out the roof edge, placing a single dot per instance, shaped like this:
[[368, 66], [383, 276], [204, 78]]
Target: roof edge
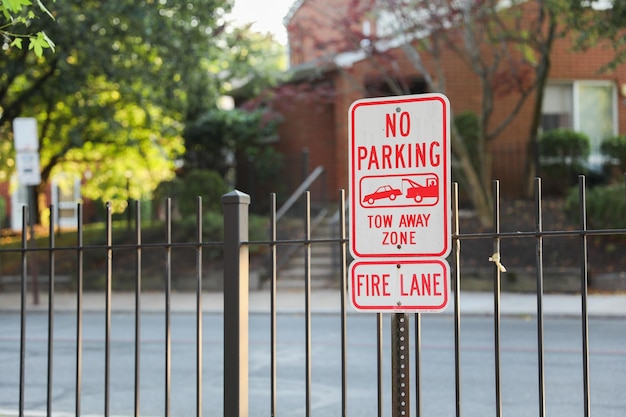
[[292, 11]]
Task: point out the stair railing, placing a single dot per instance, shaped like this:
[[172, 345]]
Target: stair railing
[[293, 215]]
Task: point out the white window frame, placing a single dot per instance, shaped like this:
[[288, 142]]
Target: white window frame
[[595, 158]]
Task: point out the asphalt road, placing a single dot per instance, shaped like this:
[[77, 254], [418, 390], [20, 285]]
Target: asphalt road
[[563, 362]]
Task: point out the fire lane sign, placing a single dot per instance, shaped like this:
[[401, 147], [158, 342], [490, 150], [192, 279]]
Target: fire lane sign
[[421, 285], [399, 177]]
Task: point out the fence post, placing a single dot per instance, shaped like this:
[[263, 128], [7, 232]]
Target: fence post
[[236, 285]]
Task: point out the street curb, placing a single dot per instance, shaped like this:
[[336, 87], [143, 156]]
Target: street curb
[[321, 301]]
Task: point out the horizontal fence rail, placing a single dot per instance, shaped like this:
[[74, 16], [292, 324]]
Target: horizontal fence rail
[[231, 364]]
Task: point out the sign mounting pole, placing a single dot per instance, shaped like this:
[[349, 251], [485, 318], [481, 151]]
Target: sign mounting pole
[[400, 375], [26, 143]]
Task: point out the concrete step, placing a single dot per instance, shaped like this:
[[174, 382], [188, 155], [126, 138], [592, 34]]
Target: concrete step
[[319, 254], [324, 258], [316, 271]]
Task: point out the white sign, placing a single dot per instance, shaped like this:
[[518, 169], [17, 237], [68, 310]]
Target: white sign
[[26, 142], [421, 285], [27, 164], [25, 138], [399, 177]]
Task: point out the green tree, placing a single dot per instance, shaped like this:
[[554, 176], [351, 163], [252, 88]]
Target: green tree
[[222, 139], [184, 191], [599, 21], [16, 17], [126, 77], [507, 49]]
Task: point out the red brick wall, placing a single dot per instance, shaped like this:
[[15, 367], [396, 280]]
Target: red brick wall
[[328, 143], [320, 28], [309, 124]]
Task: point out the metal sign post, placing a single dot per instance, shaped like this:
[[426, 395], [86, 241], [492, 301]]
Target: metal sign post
[[26, 143], [400, 374]]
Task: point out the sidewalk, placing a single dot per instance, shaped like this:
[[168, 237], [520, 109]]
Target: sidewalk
[[322, 301]]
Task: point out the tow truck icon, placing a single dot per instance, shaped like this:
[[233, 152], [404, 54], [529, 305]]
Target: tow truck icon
[[418, 192], [426, 188]]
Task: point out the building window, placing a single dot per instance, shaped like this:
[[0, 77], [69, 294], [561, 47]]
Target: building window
[[585, 106]]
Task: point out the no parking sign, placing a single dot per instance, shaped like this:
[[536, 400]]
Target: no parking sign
[[399, 174]]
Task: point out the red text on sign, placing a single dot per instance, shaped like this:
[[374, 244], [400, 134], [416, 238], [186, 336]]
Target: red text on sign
[[391, 123], [379, 221], [414, 220], [406, 155], [371, 285], [399, 238], [427, 284]]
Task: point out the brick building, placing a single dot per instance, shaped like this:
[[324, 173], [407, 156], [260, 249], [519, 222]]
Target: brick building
[[577, 95]]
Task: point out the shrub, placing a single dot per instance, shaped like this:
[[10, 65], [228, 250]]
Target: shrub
[[614, 149], [468, 126], [184, 191], [213, 230], [606, 208], [563, 154], [564, 147]]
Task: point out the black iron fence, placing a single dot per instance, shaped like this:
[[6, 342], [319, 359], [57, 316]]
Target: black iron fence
[[407, 384]]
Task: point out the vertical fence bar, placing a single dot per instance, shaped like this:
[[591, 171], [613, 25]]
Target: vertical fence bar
[[496, 295], [539, 266], [168, 313], [107, 330], [51, 254], [379, 360], [342, 270], [457, 299], [32, 217], [199, 343], [23, 308], [307, 297], [236, 283], [418, 362], [584, 279], [273, 302], [79, 308], [137, 308]]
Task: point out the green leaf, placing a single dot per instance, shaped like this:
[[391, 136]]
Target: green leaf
[[39, 43], [15, 6], [46, 39], [17, 42]]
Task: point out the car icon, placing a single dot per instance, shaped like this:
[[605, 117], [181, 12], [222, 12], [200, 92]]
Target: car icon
[[384, 191]]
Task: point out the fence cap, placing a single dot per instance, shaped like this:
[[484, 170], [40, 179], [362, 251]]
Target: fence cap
[[235, 197]]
